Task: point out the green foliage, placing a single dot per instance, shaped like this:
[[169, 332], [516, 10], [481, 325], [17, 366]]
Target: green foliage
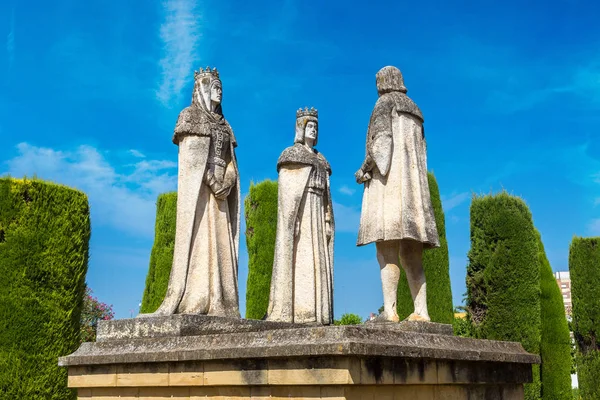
[[555, 346], [161, 257], [462, 327], [93, 311], [261, 223], [437, 270], [349, 319], [44, 239], [461, 324], [584, 259], [588, 375], [503, 275]]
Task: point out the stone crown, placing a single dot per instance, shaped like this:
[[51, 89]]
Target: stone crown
[[207, 71], [312, 112]]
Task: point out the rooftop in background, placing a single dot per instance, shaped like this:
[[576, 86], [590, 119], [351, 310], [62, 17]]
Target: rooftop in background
[[562, 275], [563, 279]]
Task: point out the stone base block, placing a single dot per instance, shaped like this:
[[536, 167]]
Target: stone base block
[[371, 392], [267, 361]]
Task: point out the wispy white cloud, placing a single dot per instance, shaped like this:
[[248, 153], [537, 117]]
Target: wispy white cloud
[[121, 196], [585, 82], [454, 200], [347, 219], [136, 153], [513, 82], [345, 189], [180, 34], [594, 227], [10, 40]]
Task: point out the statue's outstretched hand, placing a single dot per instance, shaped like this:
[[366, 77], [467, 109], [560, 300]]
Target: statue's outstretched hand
[[362, 176]]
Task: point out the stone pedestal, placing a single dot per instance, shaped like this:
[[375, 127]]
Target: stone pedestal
[[195, 357]]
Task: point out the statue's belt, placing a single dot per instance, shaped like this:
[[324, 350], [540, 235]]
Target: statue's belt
[[217, 161]]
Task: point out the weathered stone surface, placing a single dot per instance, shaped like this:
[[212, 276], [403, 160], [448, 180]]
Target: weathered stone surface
[[299, 392], [302, 282], [313, 370], [180, 325], [412, 326], [299, 342], [397, 213]]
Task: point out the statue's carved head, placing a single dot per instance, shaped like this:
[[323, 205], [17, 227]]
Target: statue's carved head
[[208, 90], [307, 125], [389, 79]]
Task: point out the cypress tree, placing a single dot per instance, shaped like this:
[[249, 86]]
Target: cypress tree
[[555, 346], [503, 275], [44, 245], [584, 262], [161, 257], [436, 265], [261, 223]]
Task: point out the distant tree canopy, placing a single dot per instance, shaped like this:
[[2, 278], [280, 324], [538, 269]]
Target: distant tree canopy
[[584, 267], [436, 264], [44, 248], [161, 257], [260, 208], [503, 275]]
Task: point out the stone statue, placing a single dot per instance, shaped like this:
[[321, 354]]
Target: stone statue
[[205, 261], [302, 281], [396, 211]]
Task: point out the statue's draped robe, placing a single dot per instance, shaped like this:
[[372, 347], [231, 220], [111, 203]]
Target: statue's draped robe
[[302, 280], [203, 277], [397, 205]]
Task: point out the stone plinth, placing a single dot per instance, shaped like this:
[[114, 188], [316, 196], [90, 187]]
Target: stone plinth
[[195, 357]]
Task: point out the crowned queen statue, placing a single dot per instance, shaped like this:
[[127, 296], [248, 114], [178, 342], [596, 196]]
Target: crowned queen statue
[[203, 277], [302, 280]]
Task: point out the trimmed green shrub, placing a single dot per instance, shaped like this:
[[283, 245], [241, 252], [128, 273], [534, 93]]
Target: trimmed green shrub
[[44, 239], [349, 319], [261, 224], [437, 271], [503, 275], [161, 257], [555, 346], [584, 262]]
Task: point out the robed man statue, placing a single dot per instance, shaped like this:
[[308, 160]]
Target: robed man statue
[[397, 214]]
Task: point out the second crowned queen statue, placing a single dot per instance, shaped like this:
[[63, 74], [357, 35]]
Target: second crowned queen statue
[[302, 281], [203, 277]]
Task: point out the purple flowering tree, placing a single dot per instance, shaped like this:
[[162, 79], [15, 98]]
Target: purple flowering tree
[[93, 311]]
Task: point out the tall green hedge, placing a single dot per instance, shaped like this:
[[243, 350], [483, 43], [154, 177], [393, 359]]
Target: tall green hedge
[[503, 275], [584, 267], [44, 238], [261, 223], [161, 257], [437, 270], [555, 346]]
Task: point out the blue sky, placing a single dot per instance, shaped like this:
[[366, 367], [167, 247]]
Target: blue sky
[[90, 92]]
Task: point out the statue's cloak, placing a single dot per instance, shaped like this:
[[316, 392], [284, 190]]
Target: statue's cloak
[[396, 201], [193, 136], [294, 166]]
